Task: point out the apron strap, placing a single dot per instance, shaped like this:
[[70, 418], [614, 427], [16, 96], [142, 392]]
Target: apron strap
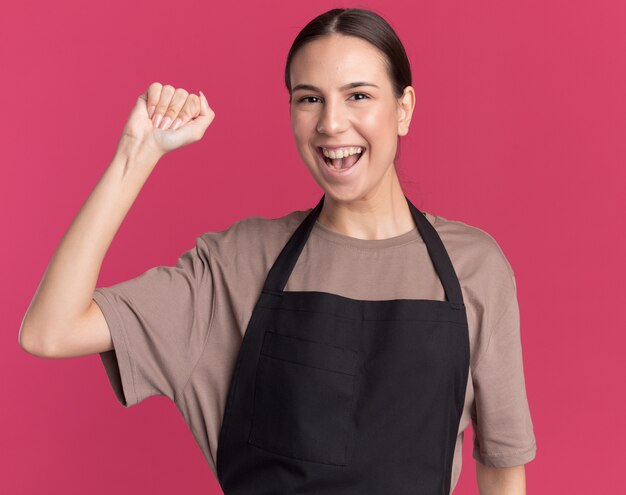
[[440, 258], [282, 268]]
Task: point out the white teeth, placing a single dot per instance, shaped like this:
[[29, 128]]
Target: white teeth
[[342, 152]]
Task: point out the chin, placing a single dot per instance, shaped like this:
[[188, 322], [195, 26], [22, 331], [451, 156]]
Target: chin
[[342, 195]]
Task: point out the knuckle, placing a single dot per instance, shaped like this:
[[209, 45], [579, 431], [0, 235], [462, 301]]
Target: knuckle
[[168, 88], [154, 90], [178, 100], [194, 102], [181, 92]]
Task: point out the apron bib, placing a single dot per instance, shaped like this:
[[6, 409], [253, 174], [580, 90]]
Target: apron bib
[[336, 396]]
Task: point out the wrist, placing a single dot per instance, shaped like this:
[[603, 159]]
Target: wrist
[[137, 152], [133, 163]]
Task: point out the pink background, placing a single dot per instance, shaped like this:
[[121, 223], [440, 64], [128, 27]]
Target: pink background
[[519, 129]]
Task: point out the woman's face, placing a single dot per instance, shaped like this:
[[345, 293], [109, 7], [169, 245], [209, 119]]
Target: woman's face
[[327, 111]]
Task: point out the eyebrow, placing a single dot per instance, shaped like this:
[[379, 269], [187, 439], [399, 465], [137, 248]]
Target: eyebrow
[[342, 88]]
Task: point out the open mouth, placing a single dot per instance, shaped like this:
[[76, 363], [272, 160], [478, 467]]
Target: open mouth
[[341, 163]]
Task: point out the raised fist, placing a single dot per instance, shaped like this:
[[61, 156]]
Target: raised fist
[[165, 118]]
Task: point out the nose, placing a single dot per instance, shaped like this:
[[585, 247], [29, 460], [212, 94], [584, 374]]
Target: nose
[[332, 119]]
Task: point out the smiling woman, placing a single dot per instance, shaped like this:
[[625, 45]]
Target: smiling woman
[[348, 67], [341, 349], [342, 99], [395, 421]]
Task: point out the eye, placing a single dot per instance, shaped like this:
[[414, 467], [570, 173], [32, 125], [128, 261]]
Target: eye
[[302, 100], [365, 97]]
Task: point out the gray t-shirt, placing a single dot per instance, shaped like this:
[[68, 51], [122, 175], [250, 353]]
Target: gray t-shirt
[[177, 330]]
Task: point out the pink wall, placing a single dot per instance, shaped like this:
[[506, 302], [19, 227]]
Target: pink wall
[[519, 129]]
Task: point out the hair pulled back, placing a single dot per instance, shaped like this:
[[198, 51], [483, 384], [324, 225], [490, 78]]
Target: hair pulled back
[[364, 24]]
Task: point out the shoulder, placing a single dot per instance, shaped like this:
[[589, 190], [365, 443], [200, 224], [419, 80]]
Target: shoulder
[[253, 238], [474, 252], [257, 226]]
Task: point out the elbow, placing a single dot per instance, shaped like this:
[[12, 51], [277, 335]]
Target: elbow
[[32, 341]]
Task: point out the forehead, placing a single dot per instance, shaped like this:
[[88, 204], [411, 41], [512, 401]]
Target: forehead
[[335, 58]]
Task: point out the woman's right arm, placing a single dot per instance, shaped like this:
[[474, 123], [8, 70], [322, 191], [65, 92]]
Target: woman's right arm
[[62, 319]]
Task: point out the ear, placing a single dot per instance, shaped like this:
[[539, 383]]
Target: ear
[[406, 104]]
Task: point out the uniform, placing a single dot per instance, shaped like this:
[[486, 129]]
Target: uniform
[[178, 330]]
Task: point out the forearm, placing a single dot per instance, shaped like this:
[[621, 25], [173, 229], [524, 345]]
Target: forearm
[[501, 481], [66, 289]]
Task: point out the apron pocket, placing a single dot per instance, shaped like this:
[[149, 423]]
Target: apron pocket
[[303, 399]]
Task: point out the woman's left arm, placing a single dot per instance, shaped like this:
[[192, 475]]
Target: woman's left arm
[[501, 481]]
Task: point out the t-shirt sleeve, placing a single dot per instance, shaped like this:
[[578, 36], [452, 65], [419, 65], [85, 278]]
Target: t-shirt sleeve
[[503, 429], [159, 323]]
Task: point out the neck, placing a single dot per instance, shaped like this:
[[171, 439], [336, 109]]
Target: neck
[[380, 214]]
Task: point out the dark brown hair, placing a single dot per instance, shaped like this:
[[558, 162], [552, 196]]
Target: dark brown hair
[[364, 24]]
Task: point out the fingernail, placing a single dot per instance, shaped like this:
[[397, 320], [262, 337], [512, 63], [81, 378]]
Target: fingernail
[[166, 122], [157, 119], [151, 111], [176, 123]]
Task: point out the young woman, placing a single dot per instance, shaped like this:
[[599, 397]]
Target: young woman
[[342, 349]]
